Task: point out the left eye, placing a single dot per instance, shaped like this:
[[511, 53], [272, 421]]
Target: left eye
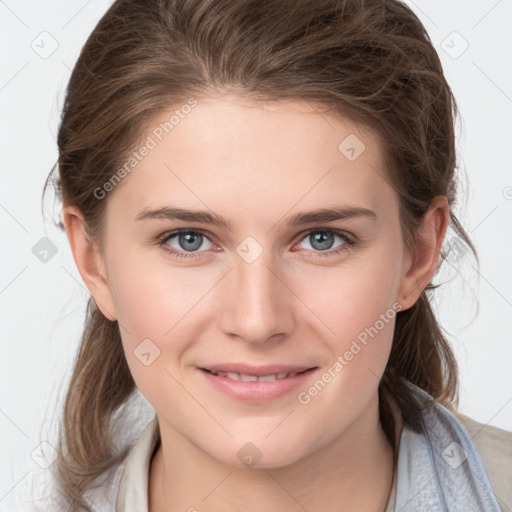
[[322, 240]]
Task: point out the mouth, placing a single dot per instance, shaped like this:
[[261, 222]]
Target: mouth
[[247, 377], [257, 385]]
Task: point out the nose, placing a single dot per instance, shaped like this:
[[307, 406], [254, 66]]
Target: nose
[[256, 302]]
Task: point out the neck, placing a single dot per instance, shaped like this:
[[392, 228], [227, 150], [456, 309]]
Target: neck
[[354, 472]]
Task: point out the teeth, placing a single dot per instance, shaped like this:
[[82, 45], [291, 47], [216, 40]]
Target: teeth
[[253, 378], [246, 378], [265, 378]]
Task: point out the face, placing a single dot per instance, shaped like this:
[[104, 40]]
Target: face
[[267, 291]]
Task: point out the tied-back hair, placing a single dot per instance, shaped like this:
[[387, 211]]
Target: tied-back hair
[[369, 61]]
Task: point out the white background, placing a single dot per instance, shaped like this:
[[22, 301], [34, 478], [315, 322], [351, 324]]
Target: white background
[[42, 304]]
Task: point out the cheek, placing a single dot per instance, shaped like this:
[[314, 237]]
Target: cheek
[[152, 299], [149, 314], [360, 315], [353, 295], [357, 307], [160, 310]]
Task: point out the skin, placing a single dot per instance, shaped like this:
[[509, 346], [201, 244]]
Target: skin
[[257, 165]]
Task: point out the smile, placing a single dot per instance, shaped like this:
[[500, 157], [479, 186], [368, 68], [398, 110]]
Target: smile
[[256, 388], [253, 378]]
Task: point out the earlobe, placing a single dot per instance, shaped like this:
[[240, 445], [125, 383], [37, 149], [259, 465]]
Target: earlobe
[[429, 240], [89, 261]]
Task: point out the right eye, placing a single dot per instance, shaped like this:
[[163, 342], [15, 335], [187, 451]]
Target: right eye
[[187, 242]]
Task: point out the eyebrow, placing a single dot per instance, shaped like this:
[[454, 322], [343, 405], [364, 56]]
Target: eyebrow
[[314, 216]]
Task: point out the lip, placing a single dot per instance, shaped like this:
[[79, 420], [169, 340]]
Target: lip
[[268, 369], [256, 391]]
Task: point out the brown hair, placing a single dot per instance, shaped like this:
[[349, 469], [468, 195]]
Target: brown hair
[[370, 61]]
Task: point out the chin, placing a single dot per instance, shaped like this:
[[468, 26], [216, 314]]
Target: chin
[[262, 454]]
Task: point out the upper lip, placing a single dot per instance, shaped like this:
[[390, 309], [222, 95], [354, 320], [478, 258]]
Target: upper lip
[[246, 369]]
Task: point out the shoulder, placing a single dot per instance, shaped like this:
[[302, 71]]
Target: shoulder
[[494, 446]]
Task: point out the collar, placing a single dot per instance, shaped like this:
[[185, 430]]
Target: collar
[[439, 468]]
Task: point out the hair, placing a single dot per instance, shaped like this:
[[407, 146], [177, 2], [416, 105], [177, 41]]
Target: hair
[[369, 61]]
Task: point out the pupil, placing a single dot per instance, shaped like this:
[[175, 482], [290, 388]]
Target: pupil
[[189, 237], [323, 239]]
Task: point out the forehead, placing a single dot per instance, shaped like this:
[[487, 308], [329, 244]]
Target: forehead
[[279, 131], [228, 152]]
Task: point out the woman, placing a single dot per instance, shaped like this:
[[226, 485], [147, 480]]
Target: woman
[[256, 194]]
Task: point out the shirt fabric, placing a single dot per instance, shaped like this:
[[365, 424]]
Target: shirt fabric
[[458, 465]]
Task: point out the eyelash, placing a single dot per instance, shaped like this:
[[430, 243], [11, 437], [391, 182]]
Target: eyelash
[[349, 242]]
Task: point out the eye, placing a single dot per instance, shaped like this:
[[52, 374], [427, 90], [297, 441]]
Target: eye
[[322, 240], [185, 241]]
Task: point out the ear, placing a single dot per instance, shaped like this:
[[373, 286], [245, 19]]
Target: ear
[[89, 261], [429, 240]]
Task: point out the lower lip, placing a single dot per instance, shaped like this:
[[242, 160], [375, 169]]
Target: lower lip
[[257, 391]]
